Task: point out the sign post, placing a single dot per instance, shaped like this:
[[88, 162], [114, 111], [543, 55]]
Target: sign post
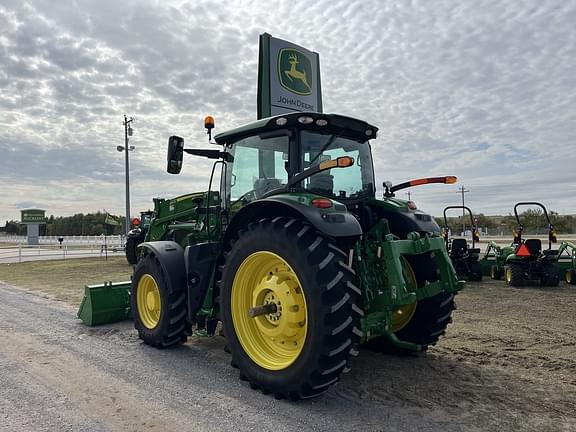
[[32, 218], [288, 78]]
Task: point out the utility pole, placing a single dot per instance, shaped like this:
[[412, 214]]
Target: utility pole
[[127, 132], [463, 190], [409, 195]]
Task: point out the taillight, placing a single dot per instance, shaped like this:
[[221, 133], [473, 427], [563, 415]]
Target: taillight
[[322, 203]]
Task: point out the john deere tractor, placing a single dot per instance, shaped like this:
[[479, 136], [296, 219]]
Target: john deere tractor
[[294, 255], [529, 262], [464, 256]]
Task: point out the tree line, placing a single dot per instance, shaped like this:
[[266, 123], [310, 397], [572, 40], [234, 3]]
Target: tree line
[[80, 224]]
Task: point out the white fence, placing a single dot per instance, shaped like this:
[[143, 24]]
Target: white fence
[[14, 248], [84, 240]]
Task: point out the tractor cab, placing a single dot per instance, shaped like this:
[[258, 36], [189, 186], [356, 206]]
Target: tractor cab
[[529, 262], [464, 255]]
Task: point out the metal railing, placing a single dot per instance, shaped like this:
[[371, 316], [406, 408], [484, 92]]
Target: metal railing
[[20, 252]]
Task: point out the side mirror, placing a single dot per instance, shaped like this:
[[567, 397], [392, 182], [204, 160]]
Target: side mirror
[[175, 154]]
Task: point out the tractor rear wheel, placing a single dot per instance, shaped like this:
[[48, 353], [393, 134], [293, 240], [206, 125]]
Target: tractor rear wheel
[[423, 322], [550, 277], [514, 275], [289, 308], [131, 250], [159, 315], [570, 276], [475, 272], [495, 272]]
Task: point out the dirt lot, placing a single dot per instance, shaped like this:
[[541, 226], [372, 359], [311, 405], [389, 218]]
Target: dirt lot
[[507, 363]]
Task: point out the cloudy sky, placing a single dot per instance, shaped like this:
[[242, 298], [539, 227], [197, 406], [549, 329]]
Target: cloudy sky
[[483, 90]]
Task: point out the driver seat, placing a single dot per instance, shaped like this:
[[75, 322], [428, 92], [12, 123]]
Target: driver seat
[[459, 247], [264, 185]]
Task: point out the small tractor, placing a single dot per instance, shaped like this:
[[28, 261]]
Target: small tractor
[[494, 259], [137, 235], [529, 262], [464, 258], [294, 255]]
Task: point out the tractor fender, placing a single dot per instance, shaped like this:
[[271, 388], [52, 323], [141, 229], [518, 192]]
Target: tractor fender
[[170, 255], [333, 223]]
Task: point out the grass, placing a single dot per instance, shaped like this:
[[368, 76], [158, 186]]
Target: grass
[[65, 279]]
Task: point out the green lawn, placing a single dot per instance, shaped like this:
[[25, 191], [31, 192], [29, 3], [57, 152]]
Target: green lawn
[[65, 279]]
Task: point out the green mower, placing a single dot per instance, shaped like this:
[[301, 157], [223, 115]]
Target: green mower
[[293, 253], [464, 258]]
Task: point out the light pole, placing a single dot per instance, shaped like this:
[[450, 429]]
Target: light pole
[[126, 148], [463, 190]]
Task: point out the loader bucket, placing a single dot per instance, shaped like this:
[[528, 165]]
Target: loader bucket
[[105, 303]]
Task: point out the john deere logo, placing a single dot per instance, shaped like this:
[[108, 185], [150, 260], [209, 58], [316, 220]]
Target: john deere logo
[[295, 71]]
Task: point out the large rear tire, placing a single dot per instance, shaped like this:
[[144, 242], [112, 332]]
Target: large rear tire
[[160, 316], [299, 348], [514, 275], [551, 278], [475, 272]]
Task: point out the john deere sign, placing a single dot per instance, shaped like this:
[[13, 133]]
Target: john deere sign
[[33, 216], [288, 78]]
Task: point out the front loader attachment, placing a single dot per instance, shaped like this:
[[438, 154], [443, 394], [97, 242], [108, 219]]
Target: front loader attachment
[[105, 303]]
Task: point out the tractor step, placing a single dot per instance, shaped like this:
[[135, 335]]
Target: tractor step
[[105, 303]]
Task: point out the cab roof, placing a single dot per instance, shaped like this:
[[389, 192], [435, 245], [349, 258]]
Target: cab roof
[[348, 127]]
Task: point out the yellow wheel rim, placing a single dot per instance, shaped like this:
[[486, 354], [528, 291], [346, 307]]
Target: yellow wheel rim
[[402, 316], [148, 301], [508, 275], [274, 340]]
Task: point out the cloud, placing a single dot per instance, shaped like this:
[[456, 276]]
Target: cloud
[[485, 91]]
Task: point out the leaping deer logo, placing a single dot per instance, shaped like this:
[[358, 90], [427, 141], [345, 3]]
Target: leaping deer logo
[[295, 71]]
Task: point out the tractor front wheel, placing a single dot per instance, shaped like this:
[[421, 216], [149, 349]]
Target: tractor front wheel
[[159, 315], [289, 308], [514, 275], [570, 276], [131, 250], [496, 272], [424, 322]]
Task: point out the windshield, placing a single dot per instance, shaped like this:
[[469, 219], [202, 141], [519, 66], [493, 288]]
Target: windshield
[[339, 183]]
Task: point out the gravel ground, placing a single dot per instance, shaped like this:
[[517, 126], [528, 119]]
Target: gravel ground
[[507, 363]]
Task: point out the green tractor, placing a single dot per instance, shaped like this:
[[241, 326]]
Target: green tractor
[[529, 262], [294, 255], [137, 235], [464, 258], [494, 259]]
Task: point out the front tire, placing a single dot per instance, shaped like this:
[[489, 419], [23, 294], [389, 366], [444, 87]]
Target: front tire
[[570, 277], [160, 316], [424, 322], [300, 348], [131, 250], [496, 272]]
